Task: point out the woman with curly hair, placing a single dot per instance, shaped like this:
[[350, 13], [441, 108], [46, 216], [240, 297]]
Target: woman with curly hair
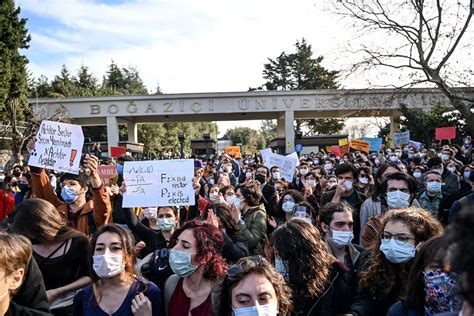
[[197, 263], [385, 269], [312, 274], [251, 287]]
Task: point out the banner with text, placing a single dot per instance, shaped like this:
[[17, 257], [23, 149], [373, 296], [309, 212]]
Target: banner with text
[[287, 164], [58, 146], [361, 145], [401, 138], [375, 143], [415, 145], [159, 183], [445, 133], [107, 172]]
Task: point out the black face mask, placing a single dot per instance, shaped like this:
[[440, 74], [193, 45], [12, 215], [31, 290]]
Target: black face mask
[[14, 183], [260, 178], [17, 173]]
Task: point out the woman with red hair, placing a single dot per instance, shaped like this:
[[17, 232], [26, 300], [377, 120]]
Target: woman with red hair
[[197, 263]]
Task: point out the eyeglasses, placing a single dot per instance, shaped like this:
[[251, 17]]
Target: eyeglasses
[[234, 270], [399, 239]]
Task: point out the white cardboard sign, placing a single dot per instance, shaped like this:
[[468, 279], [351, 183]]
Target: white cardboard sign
[[58, 147], [159, 183], [287, 164]]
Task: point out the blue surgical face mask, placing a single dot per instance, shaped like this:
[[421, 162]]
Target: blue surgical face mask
[[288, 206], [68, 194], [467, 174], [433, 186], [398, 199], [165, 224], [180, 263], [119, 168], [396, 252], [281, 267], [257, 310]]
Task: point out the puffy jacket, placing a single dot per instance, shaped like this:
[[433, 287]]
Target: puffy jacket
[[254, 228]]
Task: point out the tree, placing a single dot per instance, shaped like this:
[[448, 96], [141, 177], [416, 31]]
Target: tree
[[300, 71], [424, 36], [248, 137], [85, 83], [13, 76], [268, 129], [422, 124], [63, 84]]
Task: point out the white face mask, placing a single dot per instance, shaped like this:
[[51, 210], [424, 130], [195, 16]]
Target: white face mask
[[348, 185], [248, 175], [363, 180], [303, 172], [106, 266], [276, 175], [417, 174], [393, 158], [150, 213], [444, 157], [257, 310], [342, 238], [328, 166]]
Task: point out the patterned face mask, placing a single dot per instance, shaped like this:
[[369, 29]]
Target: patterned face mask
[[441, 292]]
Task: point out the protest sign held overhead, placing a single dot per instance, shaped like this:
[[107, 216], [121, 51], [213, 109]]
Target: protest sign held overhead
[[159, 183], [375, 143], [445, 133], [401, 138], [233, 151], [287, 164], [116, 152], [361, 145], [58, 146]]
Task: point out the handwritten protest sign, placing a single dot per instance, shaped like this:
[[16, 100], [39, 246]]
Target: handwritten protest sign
[[375, 143], [233, 151], [361, 145], [287, 164], [116, 152], [445, 133], [328, 149], [106, 172], [175, 182], [294, 156], [159, 183], [58, 146], [401, 138]]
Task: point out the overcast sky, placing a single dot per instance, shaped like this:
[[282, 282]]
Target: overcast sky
[[182, 45]]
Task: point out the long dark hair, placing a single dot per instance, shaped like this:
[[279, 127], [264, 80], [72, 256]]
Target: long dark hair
[[300, 246], [40, 221], [434, 251]]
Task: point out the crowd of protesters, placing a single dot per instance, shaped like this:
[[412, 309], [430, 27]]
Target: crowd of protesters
[[380, 233]]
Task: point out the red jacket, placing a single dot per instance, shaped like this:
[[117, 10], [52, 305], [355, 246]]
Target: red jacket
[[7, 204]]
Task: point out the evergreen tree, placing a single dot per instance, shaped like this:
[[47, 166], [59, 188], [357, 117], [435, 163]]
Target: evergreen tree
[[13, 75], [63, 84], [300, 71], [85, 83]]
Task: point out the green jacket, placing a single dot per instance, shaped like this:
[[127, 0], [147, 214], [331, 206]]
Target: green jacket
[[254, 229]]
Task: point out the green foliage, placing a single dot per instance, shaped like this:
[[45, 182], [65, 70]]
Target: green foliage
[[268, 130], [162, 138], [300, 71], [422, 125], [157, 138], [248, 137], [13, 76]]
